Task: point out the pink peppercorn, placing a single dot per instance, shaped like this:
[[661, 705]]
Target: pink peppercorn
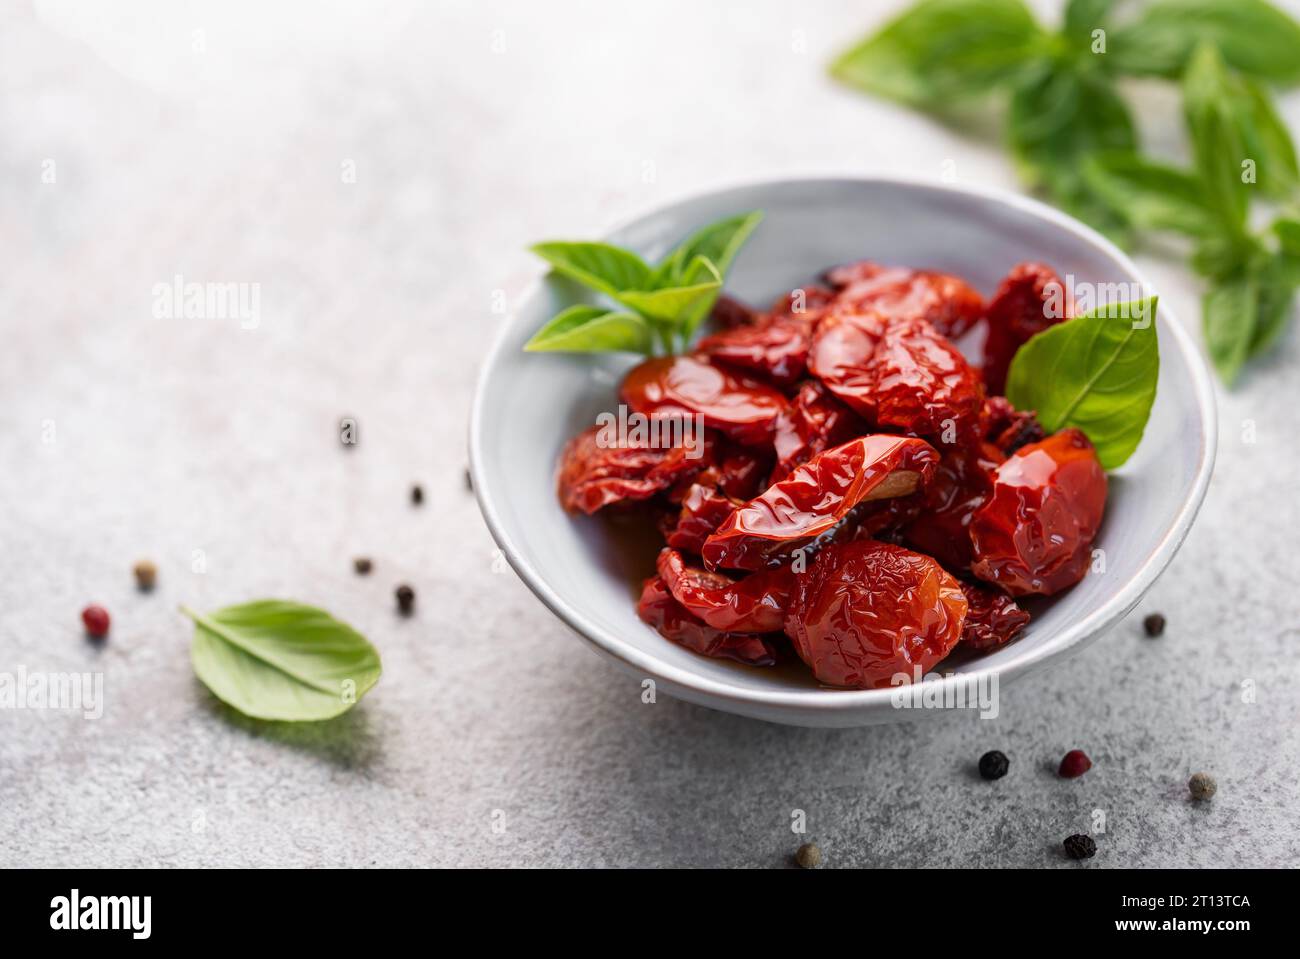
[[96, 620], [1075, 764]]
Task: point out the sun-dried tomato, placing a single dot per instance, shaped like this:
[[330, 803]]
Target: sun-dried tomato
[[674, 387], [1029, 299], [815, 497], [946, 301], [658, 608], [753, 604], [593, 473], [840, 357], [1034, 533], [814, 421], [1006, 427], [960, 486], [992, 618], [775, 346], [729, 313], [806, 301], [923, 385], [703, 509], [865, 612]]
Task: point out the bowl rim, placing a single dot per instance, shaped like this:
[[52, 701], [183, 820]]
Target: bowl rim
[[830, 700]]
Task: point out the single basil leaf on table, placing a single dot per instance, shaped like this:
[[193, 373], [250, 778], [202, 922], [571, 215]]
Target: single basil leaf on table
[[940, 50], [1097, 372], [281, 660], [1254, 36], [1228, 317], [1153, 196], [1215, 135], [667, 305], [593, 329], [603, 267]]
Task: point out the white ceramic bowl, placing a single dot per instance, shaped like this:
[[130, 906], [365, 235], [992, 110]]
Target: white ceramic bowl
[[528, 404]]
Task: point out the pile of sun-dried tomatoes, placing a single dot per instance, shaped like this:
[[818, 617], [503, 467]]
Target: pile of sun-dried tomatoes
[[864, 495]]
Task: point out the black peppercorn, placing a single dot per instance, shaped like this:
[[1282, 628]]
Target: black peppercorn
[[1080, 846], [1202, 786], [405, 599], [362, 565], [146, 575], [994, 764], [417, 494], [1154, 625]]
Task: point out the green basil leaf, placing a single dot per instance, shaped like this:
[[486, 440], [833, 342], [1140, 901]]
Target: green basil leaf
[[718, 243], [1253, 36], [1097, 372], [1215, 135], [276, 659], [940, 50], [1288, 235], [1061, 115], [593, 329], [1278, 278], [1265, 138], [1084, 16], [601, 266], [668, 304], [1153, 196], [1224, 254], [1228, 316]]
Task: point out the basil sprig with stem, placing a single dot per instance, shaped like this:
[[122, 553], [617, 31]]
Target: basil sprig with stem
[[1073, 138], [660, 307]]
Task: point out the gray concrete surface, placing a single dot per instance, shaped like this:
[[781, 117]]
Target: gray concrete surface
[[214, 141]]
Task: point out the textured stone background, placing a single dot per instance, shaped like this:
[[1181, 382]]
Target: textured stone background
[[209, 140]]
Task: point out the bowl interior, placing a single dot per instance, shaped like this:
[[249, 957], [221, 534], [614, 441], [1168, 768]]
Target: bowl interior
[[588, 569]]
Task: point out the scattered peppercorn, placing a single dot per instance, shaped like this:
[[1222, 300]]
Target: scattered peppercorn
[[96, 620], [1080, 846], [1202, 786], [417, 494], [808, 856], [1075, 764], [405, 599], [362, 565], [1154, 625], [146, 575], [994, 764]]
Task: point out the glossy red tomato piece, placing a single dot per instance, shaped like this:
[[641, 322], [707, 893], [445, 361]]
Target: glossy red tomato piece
[[840, 357], [658, 608], [754, 604], [729, 313], [1029, 300], [593, 474], [1007, 428], [807, 301], [814, 421], [992, 618], [946, 301], [961, 485], [673, 387], [923, 385], [865, 612], [775, 346], [815, 497], [1034, 533], [703, 509]]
